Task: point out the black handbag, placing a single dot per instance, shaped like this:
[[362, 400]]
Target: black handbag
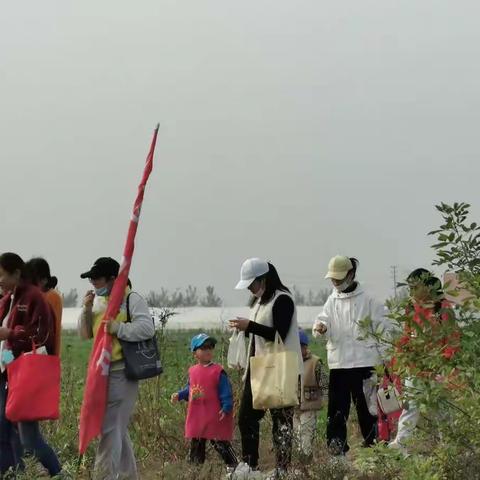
[[142, 359]]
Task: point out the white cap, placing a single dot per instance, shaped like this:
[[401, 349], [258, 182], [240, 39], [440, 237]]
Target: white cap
[[251, 269]]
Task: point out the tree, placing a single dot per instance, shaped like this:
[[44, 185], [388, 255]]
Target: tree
[[318, 299], [186, 298], [70, 299], [458, 243], [312, 299], [211, 299], [158, 300], [298, 296], [443, 358], [190, 298], [176, 299]]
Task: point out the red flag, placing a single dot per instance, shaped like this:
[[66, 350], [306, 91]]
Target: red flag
[[95, 393]]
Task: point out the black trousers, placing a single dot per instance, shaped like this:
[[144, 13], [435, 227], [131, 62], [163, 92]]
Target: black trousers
[[249, 425], [346, 385], [224, 449]]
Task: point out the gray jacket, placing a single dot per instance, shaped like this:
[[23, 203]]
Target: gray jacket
[[140, 328]]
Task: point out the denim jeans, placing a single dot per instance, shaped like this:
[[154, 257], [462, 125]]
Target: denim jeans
[[22, 438]]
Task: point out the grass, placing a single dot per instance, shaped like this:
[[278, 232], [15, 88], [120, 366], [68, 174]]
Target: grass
[[157, 425]]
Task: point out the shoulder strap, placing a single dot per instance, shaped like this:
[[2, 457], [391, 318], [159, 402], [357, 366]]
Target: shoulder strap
[[129, 318], [387, 373]]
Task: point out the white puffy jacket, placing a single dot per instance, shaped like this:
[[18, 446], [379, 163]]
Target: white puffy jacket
[[341, 315]]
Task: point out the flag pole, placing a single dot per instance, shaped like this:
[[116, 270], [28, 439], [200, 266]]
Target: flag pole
[[96, 385]]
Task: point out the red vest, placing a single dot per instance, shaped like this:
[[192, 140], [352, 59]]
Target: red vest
[[204, 405]]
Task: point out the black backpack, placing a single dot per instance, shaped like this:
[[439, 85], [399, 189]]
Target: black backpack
[[142, 359]]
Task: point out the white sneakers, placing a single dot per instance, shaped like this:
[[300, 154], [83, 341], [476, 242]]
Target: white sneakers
[[245, 472], [398, 446]]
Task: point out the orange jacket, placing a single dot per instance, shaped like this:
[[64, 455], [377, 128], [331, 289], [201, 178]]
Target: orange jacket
[[54, 299]]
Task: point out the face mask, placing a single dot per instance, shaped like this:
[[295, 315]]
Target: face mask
[[102, 292], [7, 357], [344, 285], [259, 293]]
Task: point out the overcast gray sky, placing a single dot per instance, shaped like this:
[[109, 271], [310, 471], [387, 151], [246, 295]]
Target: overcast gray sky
[[291, 130]]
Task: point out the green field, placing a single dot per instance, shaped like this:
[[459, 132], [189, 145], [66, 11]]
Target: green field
[[157, 426]]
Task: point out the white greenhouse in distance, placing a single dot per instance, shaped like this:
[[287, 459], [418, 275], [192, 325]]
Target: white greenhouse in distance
[[201, 317]]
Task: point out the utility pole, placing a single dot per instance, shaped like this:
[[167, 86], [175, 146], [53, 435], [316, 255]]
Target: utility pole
[[394, 275]]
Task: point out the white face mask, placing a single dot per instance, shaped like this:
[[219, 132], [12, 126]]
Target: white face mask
[[344, 285], [259, 293], [261, 290]]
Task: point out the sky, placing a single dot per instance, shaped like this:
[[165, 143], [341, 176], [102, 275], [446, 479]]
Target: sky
[[290, 130]]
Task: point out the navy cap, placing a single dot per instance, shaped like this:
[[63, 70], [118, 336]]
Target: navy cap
[[103, 267]]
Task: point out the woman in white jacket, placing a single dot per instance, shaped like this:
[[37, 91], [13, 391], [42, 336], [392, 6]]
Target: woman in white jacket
[[351, 359]]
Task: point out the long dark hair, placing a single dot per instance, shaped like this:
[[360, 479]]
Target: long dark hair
[[355, 264], [11, 262], [272, 284], [38, 269], [427, 278]]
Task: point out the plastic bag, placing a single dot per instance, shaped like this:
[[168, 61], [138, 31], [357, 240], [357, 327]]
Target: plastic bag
[[370, 392], [237, 351]]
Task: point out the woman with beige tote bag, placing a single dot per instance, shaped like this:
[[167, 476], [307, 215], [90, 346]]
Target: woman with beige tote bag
[[273, 320]]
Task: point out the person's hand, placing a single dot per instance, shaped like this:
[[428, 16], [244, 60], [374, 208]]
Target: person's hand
[[221, 415], [321, 328], [4, 333], [174, 397], [111, 327], [88, 299], [239, 323]]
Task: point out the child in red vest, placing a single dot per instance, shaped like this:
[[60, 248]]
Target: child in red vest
[[210, 404]]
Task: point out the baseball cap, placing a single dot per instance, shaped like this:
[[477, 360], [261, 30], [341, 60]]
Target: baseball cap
[[251, 269], [103, 267], [198, 340], [338, 267], [303, 337]]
